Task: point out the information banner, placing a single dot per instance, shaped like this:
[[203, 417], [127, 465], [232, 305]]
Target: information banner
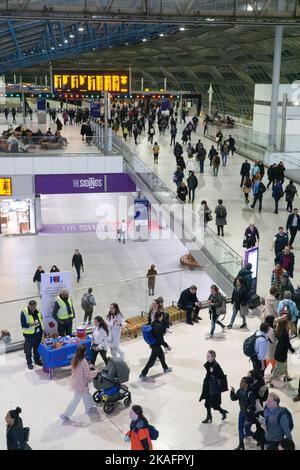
[[141, 219], [51, 285]]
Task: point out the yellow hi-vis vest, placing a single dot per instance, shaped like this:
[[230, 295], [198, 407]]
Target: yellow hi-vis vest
[[63, 313], [30, 320]]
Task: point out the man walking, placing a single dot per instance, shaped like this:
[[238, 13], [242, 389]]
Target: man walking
[[245, 171], [192, 182], [87, 304], [77, 262], [33, 328], [201, 156], [293, 225], [173, 133], [280, 241], [258, 189]]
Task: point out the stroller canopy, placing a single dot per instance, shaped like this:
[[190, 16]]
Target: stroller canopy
[[116, 370]]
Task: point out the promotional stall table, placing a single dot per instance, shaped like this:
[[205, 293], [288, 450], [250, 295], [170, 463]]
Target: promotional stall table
[[54, 358]]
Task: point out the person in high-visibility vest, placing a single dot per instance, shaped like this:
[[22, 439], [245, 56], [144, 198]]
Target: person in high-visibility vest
[[33, 329], [63, 313]]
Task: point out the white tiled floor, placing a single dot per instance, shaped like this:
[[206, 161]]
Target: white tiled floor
[[168, 401]]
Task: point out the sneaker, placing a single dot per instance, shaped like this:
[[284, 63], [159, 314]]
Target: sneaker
[[39, 363], [64, 419], [169, 348], [244, 325], [142, 377], [169, 369], [229, 326], [30, 366]]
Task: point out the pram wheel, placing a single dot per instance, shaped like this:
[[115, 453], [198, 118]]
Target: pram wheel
[[97, 397], [127, 401], [108, 407]]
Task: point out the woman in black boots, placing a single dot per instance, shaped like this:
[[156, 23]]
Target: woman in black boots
[[214, 384]]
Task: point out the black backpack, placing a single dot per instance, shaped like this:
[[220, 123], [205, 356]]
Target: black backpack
[[262, 188], [249, 345]]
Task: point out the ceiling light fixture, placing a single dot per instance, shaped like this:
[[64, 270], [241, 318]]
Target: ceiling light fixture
[[81, 28], [144, 40], [66, 41], [161, 35], [71, 36], [182, 28]]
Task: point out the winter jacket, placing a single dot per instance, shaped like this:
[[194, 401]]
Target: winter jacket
[[277, 192], [246, 399], [290, 221], [239, 297], [291, 306], [245, 169], [192, 182], [187, 298], [282, 347], [246, 275]]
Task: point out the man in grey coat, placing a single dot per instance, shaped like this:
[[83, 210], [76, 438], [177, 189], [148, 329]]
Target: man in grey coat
[[221, 214]]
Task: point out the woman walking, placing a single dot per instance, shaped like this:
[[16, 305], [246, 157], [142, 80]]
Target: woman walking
[[15, 433], [81, 376], [115, 322], [281, 352], [212, 387], [272, 342], [138, 434], [100, 337], [207, 213], [247, 187], [155, 152], [216, 302], [157, 306]]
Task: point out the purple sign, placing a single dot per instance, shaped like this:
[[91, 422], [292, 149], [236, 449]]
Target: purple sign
[[84, 183]]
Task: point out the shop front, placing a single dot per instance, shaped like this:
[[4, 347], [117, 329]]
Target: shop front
[[17, 205]]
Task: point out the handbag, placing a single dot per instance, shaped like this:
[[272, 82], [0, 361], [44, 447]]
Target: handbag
[[245, 243], [223, 384], [222, 309]]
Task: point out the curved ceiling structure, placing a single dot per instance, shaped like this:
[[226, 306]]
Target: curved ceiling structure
[[232, 56]]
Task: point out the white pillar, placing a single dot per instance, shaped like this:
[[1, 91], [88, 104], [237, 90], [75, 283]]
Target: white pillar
[[165, 84], [275, 86], [142, 84], [210, 96]]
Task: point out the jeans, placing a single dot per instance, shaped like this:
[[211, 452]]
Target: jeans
[[189, 310], [201, 162], [215, 170], [234, 314], [244, 429], [276, 205], [32, 343], [65, 328], [156, 352], [87, 401], [293, 232], [191, 194], [88, 316], [78, 269], [272, 445], [215, 321], [257, 197], [102, 353], [224, 158]]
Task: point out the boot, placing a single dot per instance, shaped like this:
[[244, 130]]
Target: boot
[[208, 419], [241, 445], [224, 414]]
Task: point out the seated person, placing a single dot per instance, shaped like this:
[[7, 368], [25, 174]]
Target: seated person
[[59, 138], [5, 337], [188, 301], [16, 145], [49, 132]]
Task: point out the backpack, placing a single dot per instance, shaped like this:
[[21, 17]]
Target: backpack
[[286, 311], [147, 335], [153, 432], [249, 345], [262, 187], [221, 212], [85, 303], [285, 411], [254, 302]]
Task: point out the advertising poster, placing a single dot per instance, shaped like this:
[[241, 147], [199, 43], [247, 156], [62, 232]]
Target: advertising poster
[[51, 285], [141, 219], [251, 256]]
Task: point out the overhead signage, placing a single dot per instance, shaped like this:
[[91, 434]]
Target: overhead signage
[[5, 187], [79, 81]]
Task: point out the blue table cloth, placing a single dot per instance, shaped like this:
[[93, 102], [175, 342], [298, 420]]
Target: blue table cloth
[[54, 358]]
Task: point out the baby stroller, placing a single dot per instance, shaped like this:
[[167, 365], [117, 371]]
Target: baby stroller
[[110, 385]]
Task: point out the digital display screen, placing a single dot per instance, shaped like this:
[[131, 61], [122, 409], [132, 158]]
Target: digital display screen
[[90, 82], [253, 259], [5, 187]]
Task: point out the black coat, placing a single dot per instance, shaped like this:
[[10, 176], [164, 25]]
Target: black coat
[[282, 347], [245, 169], [211, 388], [192, 182], [157, 332], [290, 221], [187, 298], [15, 436], [240, 297]]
